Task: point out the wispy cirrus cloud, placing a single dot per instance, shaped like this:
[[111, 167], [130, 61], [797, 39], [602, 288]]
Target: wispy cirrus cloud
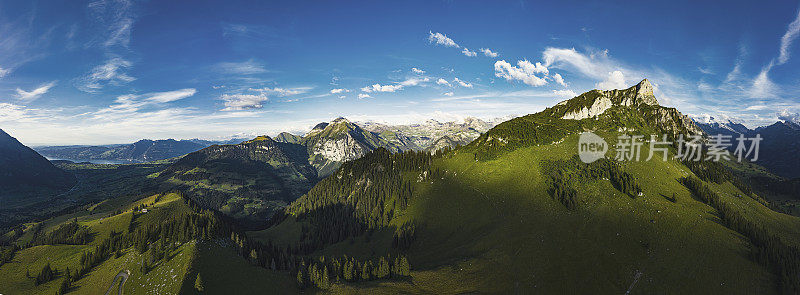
[[248, 67], [115, 19], [113, 72], [129, 104], [792, 32], [279, 91], [34, 94]]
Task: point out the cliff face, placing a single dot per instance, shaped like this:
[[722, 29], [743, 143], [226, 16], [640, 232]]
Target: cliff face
[[330, 144]]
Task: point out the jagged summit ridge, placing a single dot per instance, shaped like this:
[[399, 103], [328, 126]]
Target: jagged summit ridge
[[596, 102]]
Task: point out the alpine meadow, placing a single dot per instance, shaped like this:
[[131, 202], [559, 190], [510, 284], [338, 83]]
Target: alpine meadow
[[415, 147]]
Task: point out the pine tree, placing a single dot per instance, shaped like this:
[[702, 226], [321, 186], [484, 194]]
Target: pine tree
[[326, 282], [382, 271], [198, 283], [347, 271], [366, 271], [302, 275], [404, 268]]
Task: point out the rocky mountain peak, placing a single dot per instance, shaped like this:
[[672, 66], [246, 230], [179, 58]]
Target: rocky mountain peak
[[596, 102], [644, 93]]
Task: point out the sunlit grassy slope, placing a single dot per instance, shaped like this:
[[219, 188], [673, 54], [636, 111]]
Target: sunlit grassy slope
[[164, 277], [490, 226]]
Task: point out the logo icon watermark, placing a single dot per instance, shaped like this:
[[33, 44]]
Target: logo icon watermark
[[591, 147]]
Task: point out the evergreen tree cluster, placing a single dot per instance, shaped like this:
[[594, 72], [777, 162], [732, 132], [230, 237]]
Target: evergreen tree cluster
[[7, 253], [45, 275], [322, 272], [766, 248], [526, 131], [363, 195], [71, 233], [404, 236], [564, 174]]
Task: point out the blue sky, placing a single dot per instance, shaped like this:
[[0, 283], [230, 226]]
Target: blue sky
[[99, 72]]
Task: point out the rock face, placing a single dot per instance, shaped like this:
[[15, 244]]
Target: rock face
[[632, 110], [596, 102], [21, 168], [331, 144], [638, 98]]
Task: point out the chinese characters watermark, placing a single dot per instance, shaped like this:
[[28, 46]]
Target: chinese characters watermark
[[592, 147]]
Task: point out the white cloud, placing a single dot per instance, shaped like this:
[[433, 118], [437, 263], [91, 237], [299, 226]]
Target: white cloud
[[488, 52], [382, 88], [110, 73], [126, 105], [170, 96], [218, 87], [339, 90], [462, 83], [115, 18], [363, 95], [595, 66], [241, 68], [448, 93], [395, 87], [4, 72], [36, 93], [615, 80], [529, 67], [786, 41], [239, 102], [442, 81], [706, 71], [469, 53], [12, 113], [418, 71], [763, 87], [560, 80], [282, 91], [525, 72], [566, 93], [441, 39]]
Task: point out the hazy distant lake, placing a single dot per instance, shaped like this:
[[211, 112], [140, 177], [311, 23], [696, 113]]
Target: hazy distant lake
[[93, 161]]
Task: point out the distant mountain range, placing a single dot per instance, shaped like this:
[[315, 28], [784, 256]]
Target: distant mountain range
[[431, 135], [251, 179], [779, 150], [141, 151], [23, 170]]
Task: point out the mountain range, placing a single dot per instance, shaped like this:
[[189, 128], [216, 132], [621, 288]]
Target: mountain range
[[138, 152], [346, 210], [779, 150]]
